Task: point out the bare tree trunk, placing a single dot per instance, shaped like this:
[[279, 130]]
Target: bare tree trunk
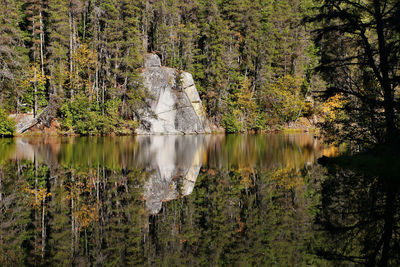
[[73, 226], [43, 228], [102, 100], [35, 74], [41, 42], [71, 52], [1, 185], [35, 100], [84, 25], [36, 200]]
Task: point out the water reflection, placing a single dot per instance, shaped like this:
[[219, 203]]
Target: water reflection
[[217, 151], [173, 163], [360, 211], [160, 200]]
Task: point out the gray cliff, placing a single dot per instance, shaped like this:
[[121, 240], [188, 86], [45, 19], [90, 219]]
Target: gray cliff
[[175, 105]]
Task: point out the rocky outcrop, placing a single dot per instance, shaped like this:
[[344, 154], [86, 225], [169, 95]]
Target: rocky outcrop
[[175, 105]]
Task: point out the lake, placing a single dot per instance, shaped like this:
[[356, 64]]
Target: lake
[[207, 200]]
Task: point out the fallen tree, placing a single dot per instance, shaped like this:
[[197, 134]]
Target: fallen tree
[[45, 117]]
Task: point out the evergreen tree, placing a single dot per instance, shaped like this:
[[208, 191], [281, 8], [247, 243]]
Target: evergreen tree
[[13, 56], [58, 32]]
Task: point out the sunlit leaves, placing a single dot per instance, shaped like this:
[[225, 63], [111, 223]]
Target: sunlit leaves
[[285, 97], [7, 125], [333, 107], [35, 78], [81, 79], [287, 179]]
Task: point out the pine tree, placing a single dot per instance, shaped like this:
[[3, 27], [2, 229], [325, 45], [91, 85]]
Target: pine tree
[[132, 93], [58, 32], [13, 56]]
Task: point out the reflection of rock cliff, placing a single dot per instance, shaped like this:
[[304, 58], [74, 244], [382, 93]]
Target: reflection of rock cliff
[[171, 162], [174, 164], [176, 105]]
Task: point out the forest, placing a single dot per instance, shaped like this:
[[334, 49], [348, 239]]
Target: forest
[[258, 65], [324, 198], [253, 61]]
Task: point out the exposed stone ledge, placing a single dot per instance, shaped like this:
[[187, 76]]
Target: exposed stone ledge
[[176, 103]]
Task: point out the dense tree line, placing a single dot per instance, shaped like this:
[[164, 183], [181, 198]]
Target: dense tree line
[[252, 60]]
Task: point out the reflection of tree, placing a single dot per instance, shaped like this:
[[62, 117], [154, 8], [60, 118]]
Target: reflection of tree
[[24, 214], [249, 205], [96, 216], [75, 217], [7, 147], [360, 213], [236, 217]]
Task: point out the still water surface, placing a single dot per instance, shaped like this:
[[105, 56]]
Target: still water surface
[[215, 200]]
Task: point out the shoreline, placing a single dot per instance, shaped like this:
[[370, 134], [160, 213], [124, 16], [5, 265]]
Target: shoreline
[[52, 134]]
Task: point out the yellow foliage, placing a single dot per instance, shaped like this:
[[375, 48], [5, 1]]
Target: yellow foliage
[[331, 108], [84, 60], [84, 57], [285, 95], [287, 178], [246, 109], [85, 215], [246, 174], [35, 75]]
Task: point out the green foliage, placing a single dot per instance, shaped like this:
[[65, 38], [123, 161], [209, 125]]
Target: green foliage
[[7, 126], [231, 124], [84, 116], [261, 122], [234, 49], [242, 110], [35, 89], [285, 98]]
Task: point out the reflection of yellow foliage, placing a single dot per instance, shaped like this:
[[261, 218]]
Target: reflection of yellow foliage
[[287, 178], [86, 215], [246, 180], [332, 106], [241, 225], [330, 151], [36, 196], [85, 211]]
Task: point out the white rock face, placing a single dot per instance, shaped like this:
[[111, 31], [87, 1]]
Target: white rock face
[[191, 91], [176, 105], [152, 61]]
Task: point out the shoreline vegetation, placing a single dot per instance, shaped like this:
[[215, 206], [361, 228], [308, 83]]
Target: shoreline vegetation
[[42, 133], [8, 125], [332, 66], [257, 65], [253, 62]]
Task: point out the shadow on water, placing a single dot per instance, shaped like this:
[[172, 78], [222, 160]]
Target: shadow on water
[[360, 209], [192, 200]]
